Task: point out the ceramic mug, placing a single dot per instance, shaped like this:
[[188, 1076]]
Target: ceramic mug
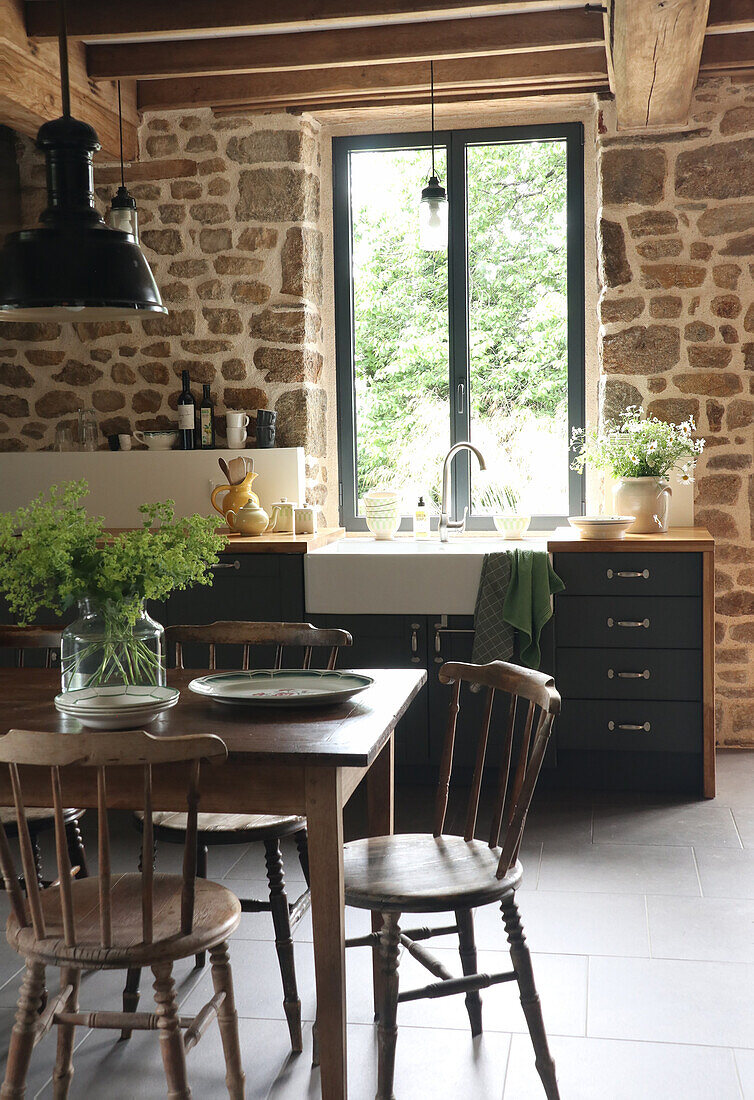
[[125, 442], [236, 438]]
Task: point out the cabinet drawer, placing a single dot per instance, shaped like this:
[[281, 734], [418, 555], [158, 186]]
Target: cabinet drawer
[[630, 574], [629, 673], [634, 622], [625, 726]]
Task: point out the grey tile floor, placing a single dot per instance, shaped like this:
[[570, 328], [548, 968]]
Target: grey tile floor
[[640, 914]]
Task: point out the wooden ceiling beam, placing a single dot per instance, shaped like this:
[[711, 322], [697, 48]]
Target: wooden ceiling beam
[[30, 87], [728, 53], [297, 89], [728, 16], [502, 34], [108, 19], [655, 48]]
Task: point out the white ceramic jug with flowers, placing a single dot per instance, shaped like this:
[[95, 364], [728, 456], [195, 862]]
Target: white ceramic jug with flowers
[[640, 451]]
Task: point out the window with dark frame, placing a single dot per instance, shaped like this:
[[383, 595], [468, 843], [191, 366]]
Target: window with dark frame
[[482, 342]]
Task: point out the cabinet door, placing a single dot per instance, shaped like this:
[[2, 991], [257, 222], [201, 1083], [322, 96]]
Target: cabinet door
[[391, 641], [451, 639], [252, 587]]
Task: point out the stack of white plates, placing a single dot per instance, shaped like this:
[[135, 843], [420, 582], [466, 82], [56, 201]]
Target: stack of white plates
[[119, 707]]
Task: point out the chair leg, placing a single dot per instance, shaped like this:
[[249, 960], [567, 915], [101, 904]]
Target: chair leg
[[76, 850], [22, 1036], [227, 1018], [529, 998], [283, 942], [131, 994], [302, 844], [387, 1032], [467, 951], [202, 855], [171, 1039], [61, 1078]]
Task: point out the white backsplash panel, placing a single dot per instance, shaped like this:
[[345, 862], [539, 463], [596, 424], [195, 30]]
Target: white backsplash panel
[[119, 481]]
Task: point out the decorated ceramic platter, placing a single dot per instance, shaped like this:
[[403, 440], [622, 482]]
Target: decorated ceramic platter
[[117, 707], [267, 687]]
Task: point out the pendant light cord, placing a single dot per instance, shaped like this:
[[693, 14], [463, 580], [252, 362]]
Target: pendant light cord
[[120, 132], [65, 91], [432, 107]]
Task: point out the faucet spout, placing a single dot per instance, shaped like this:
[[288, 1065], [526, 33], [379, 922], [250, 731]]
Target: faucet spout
[[446, 522]]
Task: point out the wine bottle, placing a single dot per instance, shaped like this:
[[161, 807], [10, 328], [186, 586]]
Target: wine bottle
[[206, 434], [186, 415]]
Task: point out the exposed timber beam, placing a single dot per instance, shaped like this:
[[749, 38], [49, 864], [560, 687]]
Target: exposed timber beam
[[502, 34], [299, 89], [107, 19], [655, 48], [728, 53], [727, 16], [30, 87]]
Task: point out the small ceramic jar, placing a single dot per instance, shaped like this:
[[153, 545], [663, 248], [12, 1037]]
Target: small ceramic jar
[[305, 520]]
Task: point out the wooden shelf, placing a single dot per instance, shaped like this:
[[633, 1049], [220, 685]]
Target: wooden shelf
[[692, 539]]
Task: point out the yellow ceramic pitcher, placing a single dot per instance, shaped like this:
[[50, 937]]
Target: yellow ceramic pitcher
[[236, 496]]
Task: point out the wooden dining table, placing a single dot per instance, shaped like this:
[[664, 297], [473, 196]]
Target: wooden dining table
[[282, 760]]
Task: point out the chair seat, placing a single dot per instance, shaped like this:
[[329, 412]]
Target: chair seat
[[218, 827], [217, 913], [37, 814], [420, 873]]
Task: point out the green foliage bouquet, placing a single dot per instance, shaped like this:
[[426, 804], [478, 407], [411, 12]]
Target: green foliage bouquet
[[54, 555], [638, 446]]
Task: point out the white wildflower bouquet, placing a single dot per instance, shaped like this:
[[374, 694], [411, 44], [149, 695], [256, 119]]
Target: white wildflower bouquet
[[637, 445]]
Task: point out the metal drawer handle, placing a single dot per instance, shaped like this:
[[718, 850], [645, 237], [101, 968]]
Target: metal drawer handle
[[227, 565], [629, 622], [629, 727], [644, 574], [415, 627], [611, 673]]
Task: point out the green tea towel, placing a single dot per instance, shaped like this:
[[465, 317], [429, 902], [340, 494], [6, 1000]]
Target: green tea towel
[[528, 602], [493, 637]]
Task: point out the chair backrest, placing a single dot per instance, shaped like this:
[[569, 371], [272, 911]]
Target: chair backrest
[[21, 638], [518, 772], [102, 751], [280, 635]]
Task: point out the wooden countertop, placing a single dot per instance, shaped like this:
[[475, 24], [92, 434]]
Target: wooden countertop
[[677, 539], [282, 544]]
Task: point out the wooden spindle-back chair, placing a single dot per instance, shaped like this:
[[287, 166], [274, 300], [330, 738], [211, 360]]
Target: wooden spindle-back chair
[[214, 829], [114, 921], [44, 641], [441, 872]]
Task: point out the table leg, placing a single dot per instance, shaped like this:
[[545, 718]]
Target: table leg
[[324, 813], [380, 822]]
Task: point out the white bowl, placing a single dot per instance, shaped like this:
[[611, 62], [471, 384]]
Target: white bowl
[[512, 527], [158, 441], [601, 527]]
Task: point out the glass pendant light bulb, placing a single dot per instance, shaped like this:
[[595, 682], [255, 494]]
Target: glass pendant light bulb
[[433, 217], [122, 213], [433, 207]]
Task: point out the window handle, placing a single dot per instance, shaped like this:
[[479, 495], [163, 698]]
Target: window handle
[[460, 398]]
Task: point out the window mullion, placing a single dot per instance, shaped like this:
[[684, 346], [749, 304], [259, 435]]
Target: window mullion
[[458, 307]]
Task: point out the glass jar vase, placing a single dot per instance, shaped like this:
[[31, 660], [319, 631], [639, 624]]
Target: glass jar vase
[[103, 648]]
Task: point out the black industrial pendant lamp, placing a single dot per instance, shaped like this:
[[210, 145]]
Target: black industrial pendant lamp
[[73, 267], [433, 207], [122, 213]]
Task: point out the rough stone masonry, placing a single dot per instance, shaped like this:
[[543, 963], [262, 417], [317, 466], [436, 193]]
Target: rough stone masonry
[[676, 242], [229, 212]]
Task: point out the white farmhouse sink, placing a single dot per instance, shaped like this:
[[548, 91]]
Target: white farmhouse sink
[[361, 576]]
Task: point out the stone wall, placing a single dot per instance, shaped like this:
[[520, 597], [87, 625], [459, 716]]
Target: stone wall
[[677, 311], [229, 212]]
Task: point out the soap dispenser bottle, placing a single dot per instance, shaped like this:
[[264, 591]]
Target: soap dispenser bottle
[[421, 520]]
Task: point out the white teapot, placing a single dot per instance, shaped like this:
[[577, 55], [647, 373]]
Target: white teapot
[[282, 517]]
